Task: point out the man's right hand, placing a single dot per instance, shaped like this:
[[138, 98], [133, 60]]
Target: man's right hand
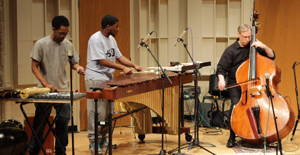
[[51, 87], [222, 83], [127, 71]]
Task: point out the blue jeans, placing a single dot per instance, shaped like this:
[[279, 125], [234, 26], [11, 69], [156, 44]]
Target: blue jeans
[[61, 127]]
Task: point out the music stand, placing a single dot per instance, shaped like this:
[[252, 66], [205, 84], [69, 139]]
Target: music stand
[[196, 141], [183, 69], [162, 151]]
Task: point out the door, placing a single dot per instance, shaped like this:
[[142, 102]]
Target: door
[[90, 14]]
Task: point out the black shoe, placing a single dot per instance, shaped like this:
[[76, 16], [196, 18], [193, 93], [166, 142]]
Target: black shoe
[[230, 142]]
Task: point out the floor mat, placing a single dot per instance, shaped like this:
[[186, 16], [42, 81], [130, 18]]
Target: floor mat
[[245, 148]]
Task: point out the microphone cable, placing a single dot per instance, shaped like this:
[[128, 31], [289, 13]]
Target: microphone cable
[[192, 40]]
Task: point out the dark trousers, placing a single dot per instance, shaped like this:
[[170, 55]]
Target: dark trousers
[[61, 127], [235, 95]]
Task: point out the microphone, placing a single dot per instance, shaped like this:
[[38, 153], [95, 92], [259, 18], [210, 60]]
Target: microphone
[[267, 76], [182, 34], [70, 50], [145, 39]]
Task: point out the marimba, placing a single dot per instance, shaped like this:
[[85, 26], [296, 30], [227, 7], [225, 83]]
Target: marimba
[[144, 89]]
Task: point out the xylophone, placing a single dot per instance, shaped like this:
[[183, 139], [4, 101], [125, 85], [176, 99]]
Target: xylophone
[[40, 95]]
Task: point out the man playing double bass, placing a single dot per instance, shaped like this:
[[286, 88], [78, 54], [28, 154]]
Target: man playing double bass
[[232, 58]]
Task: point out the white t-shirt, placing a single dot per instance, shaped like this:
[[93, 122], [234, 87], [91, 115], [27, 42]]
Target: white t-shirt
[[53, 58], [101, 47]]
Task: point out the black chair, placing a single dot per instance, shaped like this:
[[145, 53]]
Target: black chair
[[216, 95], [213, 87]]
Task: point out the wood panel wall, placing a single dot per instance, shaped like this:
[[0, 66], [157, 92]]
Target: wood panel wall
[[91, 13], [280, 31]]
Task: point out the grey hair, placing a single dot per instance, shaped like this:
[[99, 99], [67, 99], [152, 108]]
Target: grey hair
[[243, 27]]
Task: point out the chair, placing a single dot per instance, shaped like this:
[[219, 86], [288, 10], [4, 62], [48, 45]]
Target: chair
[[216, 95]]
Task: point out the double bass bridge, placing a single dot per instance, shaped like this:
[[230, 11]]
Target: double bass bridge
[[254, 92]]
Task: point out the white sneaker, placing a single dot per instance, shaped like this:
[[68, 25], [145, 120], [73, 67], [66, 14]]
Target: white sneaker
[[103, 143], [92, 148]]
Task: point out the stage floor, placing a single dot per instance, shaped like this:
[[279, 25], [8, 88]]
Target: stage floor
[[128, 144]]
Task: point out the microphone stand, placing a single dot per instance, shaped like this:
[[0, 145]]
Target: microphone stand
[[270, 96], [296, 90], [185, 46], [196, 141], [162, 151], [71, 99]]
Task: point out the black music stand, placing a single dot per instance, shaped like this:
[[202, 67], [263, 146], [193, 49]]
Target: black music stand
[[162, 151], [296, 90], [196, 141], [180, 108]]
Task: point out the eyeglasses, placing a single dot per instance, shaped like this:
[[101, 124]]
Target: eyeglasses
[[62, 34], [246, 37]]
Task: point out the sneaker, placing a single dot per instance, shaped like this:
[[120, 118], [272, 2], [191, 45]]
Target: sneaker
[[104, 144], [92, 148]]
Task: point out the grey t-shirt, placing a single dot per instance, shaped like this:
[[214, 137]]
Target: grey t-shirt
[[53, 58], [101, 47]]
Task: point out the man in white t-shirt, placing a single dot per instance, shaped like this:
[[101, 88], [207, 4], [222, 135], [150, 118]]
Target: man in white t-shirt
[[102, 53], [49, 58]]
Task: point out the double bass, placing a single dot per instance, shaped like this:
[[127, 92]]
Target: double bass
[[252, 117]]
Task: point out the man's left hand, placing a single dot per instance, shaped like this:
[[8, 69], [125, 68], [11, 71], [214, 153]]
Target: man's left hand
[[258, 43], [80, 70], [139, 68]]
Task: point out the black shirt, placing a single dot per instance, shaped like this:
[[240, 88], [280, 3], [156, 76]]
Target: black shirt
[[233, 57]]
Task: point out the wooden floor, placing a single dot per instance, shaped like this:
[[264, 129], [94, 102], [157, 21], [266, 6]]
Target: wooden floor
[[128, 144]]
